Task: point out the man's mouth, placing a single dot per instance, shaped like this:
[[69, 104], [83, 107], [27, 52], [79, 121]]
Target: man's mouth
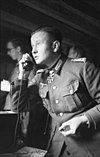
[[36, 57]]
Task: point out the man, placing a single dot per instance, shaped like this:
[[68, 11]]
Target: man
[[76, 51], [70, 91], [15, 52], [15, 49]]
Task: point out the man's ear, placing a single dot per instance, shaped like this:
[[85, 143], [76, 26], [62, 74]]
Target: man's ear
[[56, 46]]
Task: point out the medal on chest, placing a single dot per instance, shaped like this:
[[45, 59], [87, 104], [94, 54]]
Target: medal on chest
[[50, 78]]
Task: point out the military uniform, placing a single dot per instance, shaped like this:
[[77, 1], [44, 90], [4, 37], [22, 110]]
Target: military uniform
[[69, 88]]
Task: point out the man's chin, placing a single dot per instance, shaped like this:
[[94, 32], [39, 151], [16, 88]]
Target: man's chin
[[38, 62]]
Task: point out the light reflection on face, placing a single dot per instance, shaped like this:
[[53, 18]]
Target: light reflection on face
[[41, 47]]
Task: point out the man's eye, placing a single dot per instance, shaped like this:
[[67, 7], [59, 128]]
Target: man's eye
[[37, 44]]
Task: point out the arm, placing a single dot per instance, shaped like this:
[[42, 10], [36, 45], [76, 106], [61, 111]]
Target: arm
[[70, 127], [19, 93], [92, 81], [91, 117], [19, 88]]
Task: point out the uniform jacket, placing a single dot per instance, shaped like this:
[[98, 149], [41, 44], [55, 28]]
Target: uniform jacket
[[70, 88]]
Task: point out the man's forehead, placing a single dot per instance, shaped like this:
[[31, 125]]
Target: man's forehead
[[39, 35], [9, 44]]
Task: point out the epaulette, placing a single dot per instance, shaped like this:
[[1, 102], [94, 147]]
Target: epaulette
[[79, 60]]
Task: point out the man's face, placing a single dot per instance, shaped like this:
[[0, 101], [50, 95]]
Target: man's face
[[72, 53], [11, 51], [42, 47]]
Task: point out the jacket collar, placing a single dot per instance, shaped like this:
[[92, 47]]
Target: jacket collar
[[56, 65]]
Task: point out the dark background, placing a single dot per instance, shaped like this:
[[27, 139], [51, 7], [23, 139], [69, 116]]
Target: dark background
[[78, 20]]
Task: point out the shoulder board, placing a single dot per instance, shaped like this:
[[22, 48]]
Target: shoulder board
[[79, 60]]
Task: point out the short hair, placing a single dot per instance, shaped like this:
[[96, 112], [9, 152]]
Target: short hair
[[17, 42], [55, 32], [79, 49]]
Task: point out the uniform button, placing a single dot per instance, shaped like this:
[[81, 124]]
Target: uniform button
[[71, 91], [57, 101], [61, 114], [54, 87]]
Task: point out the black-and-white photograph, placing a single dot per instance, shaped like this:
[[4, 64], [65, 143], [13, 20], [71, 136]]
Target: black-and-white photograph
[[49, 78]]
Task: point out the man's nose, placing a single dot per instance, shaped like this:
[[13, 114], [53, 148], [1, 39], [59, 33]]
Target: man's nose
[[34, 50]]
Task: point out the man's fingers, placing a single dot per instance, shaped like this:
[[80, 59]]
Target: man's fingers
[[64, 128], [66, 133]]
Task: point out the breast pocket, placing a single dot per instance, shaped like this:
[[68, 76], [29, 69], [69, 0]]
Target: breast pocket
[[70, 96]]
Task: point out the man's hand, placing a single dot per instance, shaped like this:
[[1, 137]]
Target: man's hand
[[70, 127], [23, 74]]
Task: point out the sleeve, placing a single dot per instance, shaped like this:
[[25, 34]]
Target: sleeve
[[25, 94], [92, 81], [19, 95]]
